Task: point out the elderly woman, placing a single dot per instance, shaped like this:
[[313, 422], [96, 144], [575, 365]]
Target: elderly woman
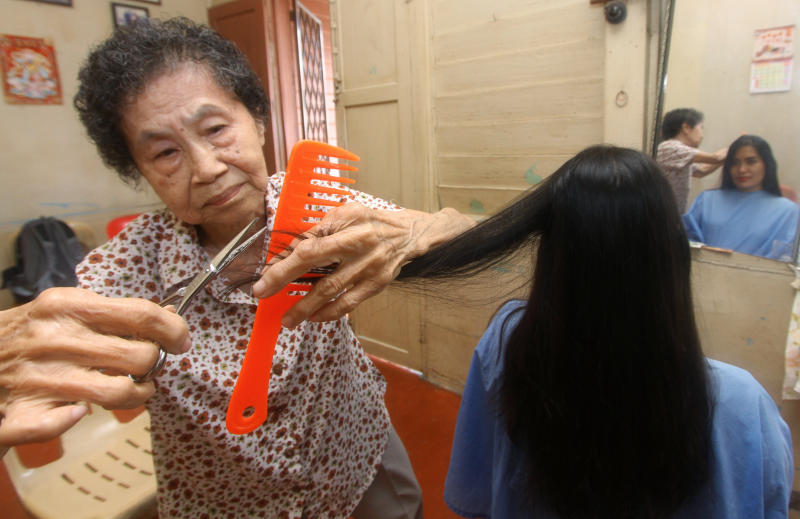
[[679, 156], [176, 104]]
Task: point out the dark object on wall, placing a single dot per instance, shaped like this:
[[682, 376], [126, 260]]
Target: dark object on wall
[[46, 252], [123, 14], [65, 3], [616, 11]]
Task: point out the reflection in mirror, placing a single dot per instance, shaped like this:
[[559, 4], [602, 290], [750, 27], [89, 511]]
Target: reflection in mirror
[[713, 65]]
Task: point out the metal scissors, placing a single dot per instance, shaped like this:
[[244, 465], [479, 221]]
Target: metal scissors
[[232, 250]]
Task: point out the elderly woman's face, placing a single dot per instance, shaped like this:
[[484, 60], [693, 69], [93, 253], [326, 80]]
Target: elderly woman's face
[[199, 148]]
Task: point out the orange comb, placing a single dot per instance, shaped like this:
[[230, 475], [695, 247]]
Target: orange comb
[[298, 210]]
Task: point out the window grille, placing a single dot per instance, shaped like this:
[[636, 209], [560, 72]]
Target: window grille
[[312, 75]]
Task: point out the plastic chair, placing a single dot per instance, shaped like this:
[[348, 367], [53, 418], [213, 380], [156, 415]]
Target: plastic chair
[[106, 470], [118, 223]]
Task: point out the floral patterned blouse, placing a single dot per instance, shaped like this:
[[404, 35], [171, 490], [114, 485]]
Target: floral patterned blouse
[[675, 159], [327, 427]]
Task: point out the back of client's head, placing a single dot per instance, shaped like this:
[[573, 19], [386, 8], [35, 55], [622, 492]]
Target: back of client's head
[[605, 385]]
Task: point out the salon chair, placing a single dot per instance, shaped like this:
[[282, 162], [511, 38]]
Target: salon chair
[[104, 469]]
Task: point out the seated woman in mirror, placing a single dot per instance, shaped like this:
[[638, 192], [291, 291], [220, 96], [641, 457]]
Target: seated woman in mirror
[[678, 155], [592, 398], [747, 213]]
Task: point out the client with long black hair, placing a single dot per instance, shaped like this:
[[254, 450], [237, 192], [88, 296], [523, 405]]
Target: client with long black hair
[[592, 399]]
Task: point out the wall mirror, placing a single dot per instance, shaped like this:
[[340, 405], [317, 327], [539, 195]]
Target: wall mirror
[[709, 51]]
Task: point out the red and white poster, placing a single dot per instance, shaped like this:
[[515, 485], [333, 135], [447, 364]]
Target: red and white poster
[[30, 71], [774, 43]]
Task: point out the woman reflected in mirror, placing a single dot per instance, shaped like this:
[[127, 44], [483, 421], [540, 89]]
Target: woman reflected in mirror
[[748, 213], [679, 156]]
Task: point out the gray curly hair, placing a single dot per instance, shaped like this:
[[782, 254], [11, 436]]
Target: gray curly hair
[[120, 67]]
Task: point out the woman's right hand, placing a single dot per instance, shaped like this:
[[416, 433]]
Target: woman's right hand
[[369, 246], [720, 154], [70, 346]]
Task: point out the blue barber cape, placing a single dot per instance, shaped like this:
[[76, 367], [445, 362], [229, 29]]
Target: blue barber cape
[[751, 472], [757, 223]]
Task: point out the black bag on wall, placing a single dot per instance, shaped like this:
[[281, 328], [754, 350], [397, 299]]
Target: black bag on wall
[[46, 252]]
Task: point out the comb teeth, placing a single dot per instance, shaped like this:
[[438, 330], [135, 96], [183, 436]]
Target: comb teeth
[[315, 149], [314, 214], [306, 195], [298, 287], [331, 178], [322, 164], [310, 200], [315, 188]]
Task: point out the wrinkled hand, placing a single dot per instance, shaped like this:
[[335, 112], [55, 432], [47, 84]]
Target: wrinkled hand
[[51, 351], [369, 246]]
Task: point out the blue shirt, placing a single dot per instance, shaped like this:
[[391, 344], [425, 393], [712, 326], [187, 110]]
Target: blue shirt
[[756, 222], [751, 475]]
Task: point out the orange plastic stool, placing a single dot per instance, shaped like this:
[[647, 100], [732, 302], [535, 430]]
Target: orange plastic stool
[[38, 454], [118, 223]]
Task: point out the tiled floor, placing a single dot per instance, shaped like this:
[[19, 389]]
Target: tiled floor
[[423, 415], [9, 503]]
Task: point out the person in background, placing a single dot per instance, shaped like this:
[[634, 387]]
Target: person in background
[[592, 398], [175, 104], [747, 213], [679, 156]]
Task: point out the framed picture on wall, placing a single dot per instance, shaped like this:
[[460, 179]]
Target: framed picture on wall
[[124, 14], [30, 71], [67, 3]]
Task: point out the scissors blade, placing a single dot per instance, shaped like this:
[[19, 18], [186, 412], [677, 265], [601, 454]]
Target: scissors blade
[[232, 245], [235, 253], [223, 258]]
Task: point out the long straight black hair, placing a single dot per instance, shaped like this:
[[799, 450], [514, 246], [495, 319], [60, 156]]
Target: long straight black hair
[[605, 387]]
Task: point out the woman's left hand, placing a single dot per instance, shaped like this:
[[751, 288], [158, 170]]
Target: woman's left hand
[[369, 246]]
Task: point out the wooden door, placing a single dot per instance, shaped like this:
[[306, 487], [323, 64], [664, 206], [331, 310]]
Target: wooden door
[[460, 103], [266, 32], [248, 23], [381, 117]]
